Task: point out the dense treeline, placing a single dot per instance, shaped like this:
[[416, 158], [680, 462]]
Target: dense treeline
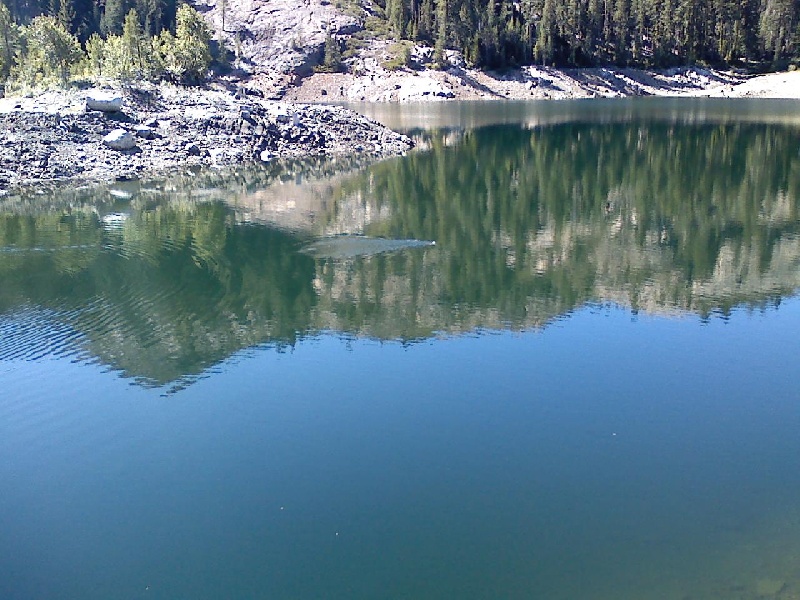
[[650, 33], [489, 33], [44, 42], [82, 18]]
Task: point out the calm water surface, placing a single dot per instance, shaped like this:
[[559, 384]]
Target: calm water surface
[[587, 388]]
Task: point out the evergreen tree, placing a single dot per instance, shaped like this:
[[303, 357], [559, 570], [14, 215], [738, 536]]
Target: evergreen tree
[[187, 54], [332, 55], [114, 17], [395, 13], [156, 15], [134, 55], [9, 41], [439, 58], [425, 21], [777, 27], [95, 48], [546, 33], [50, 52], [66, 15]]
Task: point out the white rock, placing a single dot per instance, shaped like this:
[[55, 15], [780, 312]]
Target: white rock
[[120, 139], [121, 194], [104, 101]]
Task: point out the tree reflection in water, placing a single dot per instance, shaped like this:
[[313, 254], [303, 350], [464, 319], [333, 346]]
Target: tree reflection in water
[[529, 225]]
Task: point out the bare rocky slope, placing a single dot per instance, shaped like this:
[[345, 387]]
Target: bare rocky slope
[[55, 137]]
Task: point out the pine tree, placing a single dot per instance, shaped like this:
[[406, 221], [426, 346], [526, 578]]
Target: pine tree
[[113, 17], [545, 39], [9, 41], [150, 15], [395, 13], [332, 55], [425, 21], [50, 52], [439, 58], [133, 51], [777, 27], [95, 47], [187, 55], [66, 14]]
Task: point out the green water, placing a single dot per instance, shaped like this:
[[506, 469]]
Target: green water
[[585, 389]]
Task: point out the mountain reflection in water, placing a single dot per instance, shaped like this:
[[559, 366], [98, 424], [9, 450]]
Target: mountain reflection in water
[[163, 280]]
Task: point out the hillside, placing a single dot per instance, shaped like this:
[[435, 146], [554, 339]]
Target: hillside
[[277, 44], [409, 50]]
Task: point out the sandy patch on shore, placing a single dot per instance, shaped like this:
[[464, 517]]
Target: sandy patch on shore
[[772, 85]]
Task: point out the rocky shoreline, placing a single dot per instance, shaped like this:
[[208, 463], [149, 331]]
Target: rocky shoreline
[[370, 82], [54, 137]]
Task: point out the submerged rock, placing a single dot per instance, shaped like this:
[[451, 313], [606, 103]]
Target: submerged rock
[[768, 587], [350, 246]]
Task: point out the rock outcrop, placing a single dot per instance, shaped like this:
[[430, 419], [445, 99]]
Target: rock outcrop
[[279, 40]]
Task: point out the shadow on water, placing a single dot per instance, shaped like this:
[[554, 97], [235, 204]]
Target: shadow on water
[[162, 280]]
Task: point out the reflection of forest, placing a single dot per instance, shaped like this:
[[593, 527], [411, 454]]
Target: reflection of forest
[[529, 225], [658, 217], [160, 295]]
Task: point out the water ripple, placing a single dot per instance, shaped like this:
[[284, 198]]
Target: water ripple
[[32, 334]]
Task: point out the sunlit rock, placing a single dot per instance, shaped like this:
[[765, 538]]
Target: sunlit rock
[[103, 101], [120, 139]]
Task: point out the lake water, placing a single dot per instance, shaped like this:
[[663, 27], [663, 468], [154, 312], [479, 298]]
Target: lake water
[[587, 388]]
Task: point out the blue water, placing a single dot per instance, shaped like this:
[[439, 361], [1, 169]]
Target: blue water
[[586, 389], [609, 456]]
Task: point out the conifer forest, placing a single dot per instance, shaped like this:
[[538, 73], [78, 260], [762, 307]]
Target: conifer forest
[[756, 34]]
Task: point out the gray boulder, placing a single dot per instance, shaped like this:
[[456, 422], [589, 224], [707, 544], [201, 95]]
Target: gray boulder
[[120, 139], [103, 101]]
